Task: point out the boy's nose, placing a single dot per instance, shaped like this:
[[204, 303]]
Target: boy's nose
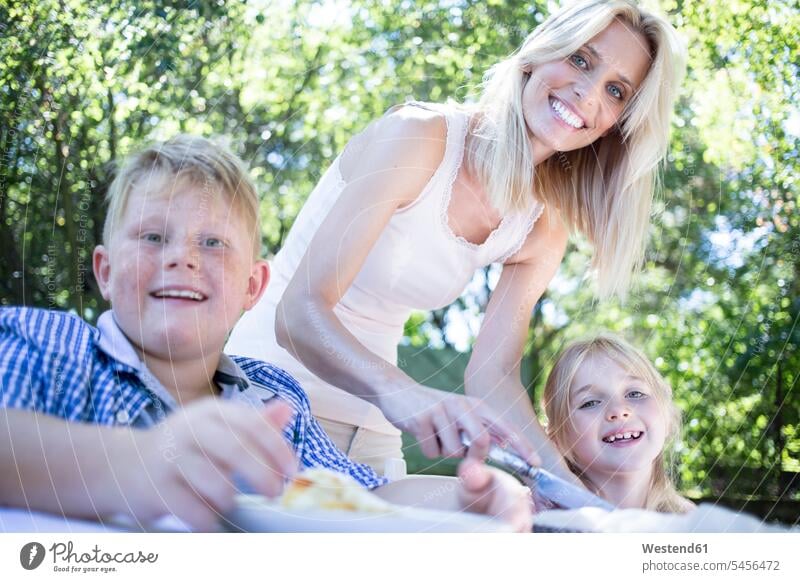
[[181, 255]]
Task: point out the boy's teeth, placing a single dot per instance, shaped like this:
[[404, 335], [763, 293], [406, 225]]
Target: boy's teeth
[[181, 294], [566, 114]]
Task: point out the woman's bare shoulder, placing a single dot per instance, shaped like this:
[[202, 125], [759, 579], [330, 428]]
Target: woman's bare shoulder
[[404, 148], [422, 132]]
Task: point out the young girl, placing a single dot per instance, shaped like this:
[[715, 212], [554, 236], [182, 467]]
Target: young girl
[[611, 416], [567, 135]]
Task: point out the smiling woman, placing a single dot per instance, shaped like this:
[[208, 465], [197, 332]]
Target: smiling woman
[[567, 136]]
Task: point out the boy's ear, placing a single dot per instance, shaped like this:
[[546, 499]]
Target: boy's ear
[[259, 278], [102, 270]]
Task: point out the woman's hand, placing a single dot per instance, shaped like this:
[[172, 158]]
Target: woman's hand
[[437, 419], [190, 462], [496, 494]]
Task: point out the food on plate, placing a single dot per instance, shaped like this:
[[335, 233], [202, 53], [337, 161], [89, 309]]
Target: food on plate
[[321, 488]]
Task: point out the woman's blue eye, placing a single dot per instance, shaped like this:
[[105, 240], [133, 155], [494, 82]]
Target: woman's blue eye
[[615, 91], [578, 59], [153, 237]]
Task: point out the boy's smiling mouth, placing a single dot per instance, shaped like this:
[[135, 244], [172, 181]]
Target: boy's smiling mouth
[[179, 293]]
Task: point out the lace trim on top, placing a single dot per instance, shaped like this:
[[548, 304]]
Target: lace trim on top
[[534, 215], [448, 192], [532, 218]]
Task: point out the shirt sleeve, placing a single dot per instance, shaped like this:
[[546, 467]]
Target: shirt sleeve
[[39, 368], [320, 451], [312, 444]]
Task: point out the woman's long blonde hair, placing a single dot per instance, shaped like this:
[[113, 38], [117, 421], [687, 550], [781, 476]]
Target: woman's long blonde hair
[[661, 495], [605, 190]]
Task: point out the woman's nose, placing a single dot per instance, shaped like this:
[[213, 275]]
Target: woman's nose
[[586, 92]]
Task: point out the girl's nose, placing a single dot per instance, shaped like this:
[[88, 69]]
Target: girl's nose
[[617, 412]]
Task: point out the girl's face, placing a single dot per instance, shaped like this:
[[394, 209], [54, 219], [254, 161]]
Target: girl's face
[[616, 424], [569, 104]]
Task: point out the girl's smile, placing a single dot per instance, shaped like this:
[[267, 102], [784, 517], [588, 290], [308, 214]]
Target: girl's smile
[[616, 423]]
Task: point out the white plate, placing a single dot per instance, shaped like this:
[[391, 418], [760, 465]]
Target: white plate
[[254, 513]]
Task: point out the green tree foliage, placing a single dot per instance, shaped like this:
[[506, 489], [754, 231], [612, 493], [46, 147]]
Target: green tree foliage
[[289, 82]]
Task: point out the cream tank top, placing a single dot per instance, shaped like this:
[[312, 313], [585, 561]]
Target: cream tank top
[[417, 263]]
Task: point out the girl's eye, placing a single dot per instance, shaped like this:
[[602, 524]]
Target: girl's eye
[[637, 394], [615, 91], [153, 237], [580, 61], [589, 404]]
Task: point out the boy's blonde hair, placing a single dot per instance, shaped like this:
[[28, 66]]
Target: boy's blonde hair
[[605, 190], [208, 164], [662, 495]]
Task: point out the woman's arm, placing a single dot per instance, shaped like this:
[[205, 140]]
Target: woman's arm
[[493, 373], [402, 153]]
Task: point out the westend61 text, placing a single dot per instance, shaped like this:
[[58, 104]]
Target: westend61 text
[[96, 555], [672, 549]]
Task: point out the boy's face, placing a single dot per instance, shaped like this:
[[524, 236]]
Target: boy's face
[[179, 269], [617, 424]]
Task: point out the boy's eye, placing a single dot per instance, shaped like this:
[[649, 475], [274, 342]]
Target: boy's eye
[[589, 404], [580, 61], [214, 242], [153, 237]]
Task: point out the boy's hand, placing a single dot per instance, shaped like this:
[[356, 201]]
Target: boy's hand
[[189, 461], [494, 493]]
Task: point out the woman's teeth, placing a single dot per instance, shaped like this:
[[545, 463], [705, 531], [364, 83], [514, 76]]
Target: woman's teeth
[[624, 436], [565, 114]]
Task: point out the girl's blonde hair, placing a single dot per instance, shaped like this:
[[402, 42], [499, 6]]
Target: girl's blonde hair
[[662, 495], [605, 190], [207, 163]]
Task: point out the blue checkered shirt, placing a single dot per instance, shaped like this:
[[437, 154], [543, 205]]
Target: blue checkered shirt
[[56, 363]]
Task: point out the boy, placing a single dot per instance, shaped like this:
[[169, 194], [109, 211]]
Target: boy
[[144, 415]]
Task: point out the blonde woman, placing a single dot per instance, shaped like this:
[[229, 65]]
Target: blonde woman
[[568, 135], [611, 415]]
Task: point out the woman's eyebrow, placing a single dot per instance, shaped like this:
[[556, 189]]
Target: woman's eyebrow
[[601, 58]]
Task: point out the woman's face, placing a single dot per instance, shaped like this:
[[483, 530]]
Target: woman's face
[[569, 104]]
